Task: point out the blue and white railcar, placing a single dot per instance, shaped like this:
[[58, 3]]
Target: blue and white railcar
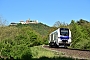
[[60, 37]]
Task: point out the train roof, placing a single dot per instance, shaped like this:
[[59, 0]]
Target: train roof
[[59, 28], [64, 28]]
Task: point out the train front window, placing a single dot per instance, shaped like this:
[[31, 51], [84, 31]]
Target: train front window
[[64, 32]]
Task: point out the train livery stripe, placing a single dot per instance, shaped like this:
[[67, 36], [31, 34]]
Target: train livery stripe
[[64, 37]]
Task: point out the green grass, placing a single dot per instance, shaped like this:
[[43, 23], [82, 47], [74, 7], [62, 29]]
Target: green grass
[[42, 54], [38, 52]]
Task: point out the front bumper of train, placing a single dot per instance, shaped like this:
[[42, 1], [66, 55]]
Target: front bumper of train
[[64, 43]]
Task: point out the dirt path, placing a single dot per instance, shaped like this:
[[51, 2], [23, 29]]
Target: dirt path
[[76, 53]]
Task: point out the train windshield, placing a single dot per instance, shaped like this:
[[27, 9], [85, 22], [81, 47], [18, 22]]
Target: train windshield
[[64, 32]]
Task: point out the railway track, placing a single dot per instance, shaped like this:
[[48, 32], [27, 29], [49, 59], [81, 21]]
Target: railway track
[[75, 53]]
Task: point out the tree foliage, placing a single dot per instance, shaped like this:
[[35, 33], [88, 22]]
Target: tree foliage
[[14, 40], [80, 34]]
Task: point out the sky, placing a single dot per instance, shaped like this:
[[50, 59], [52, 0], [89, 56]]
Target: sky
[[45, 11]]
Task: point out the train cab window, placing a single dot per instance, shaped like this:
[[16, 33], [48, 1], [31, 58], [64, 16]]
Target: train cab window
[[64, 32]]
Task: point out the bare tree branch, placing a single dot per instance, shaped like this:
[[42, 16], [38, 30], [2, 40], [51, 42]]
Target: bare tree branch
[[3, 22], [59, 24]]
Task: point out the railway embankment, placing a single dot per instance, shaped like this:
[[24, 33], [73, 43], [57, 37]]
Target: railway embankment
[[74, 53]]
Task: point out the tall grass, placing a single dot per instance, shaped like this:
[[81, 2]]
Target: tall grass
[[42, 54], [38, 52]]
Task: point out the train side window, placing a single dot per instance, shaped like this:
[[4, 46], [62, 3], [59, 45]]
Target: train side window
[[51, 37], [55, 36]]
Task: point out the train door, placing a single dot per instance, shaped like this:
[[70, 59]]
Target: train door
[[51, 43]]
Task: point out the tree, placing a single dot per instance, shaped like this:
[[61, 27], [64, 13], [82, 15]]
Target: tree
[[81, 22], [72, 22], [3, 22], [59, 24]]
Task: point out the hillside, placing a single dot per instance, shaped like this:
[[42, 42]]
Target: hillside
[[41, 28]]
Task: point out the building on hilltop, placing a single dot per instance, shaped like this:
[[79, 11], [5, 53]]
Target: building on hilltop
[[31, 21], [22, 22], [26, 22], [13, 23]]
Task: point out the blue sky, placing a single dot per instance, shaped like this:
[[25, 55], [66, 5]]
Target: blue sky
[[45, 11]]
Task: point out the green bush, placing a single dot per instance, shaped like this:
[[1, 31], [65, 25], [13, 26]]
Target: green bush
[[80, 35], [15, 41]]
